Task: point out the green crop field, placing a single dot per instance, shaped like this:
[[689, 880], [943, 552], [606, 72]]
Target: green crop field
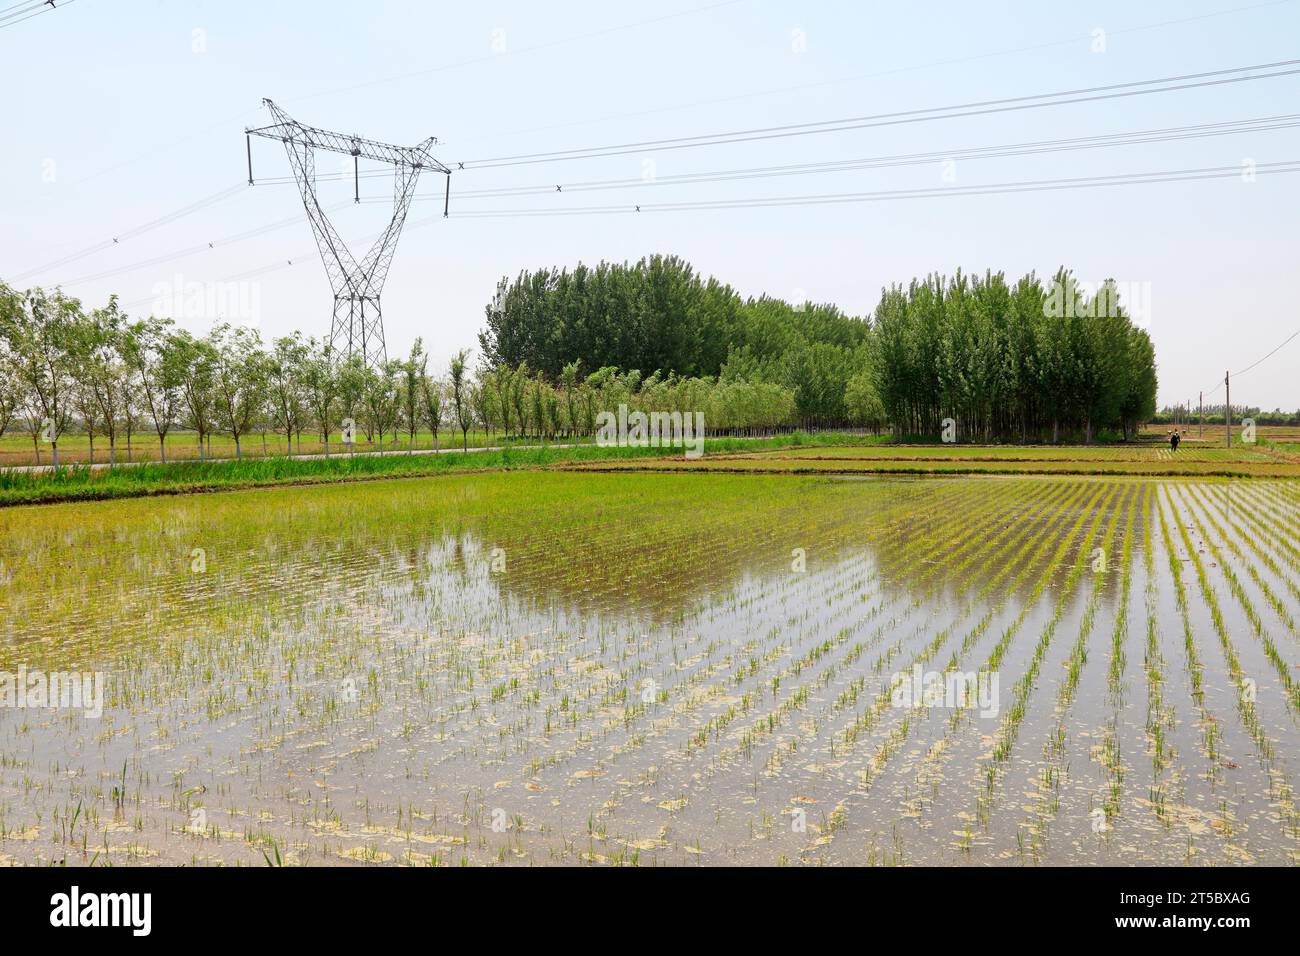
[[540, 667]]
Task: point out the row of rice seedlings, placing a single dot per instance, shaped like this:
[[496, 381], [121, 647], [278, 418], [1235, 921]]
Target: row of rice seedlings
[[1253, 537], [963, 550], [976, 533], [1083, 532], [1110, 745], [1031, 550], [797, 697], [1243, 599], [995, 767], [675, 665], [1056, 774], [718, 723], [1161, 719], [1287, 500], [1280, 787], [1054, 506], [853, 584], [777, 754], [664, 776], [1195, 669]]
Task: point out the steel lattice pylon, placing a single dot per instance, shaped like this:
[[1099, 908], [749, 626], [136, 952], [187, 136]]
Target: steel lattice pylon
[[358, 324]]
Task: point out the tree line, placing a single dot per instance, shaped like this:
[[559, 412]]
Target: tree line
[[658, 315], [1025, 363], [995, 361], [965, 358], [102, 374]]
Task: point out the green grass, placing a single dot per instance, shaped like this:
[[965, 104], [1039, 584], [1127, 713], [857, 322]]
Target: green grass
[[79, 483]]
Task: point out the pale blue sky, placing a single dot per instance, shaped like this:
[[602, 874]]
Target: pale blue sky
[[132, 114]]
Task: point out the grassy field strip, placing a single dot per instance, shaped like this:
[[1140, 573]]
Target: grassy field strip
[[698, 740], [991, 748], [1023, 563], [754, 464], [1146, 451], [1280, 789], [770, 755], [82, 483]]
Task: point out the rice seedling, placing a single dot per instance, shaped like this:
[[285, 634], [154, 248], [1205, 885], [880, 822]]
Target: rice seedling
[[627, 669]]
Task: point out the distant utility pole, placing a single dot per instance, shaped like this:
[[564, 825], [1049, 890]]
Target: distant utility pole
[[1200, 405], [356, 329], [1227, 409]]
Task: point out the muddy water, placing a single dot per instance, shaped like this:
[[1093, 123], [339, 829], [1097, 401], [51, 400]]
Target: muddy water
[[657, 669]]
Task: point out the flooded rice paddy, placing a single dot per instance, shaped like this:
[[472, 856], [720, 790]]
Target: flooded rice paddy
[[548, 668]]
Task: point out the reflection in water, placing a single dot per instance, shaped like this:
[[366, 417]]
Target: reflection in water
[[558, 668]]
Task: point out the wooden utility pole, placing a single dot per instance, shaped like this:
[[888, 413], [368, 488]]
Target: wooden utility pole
[[1227, 409], [1200, 398]]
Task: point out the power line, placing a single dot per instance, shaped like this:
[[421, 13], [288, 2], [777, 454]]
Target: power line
[[35, 10], [163, 220], [979, 108], [1186, 175], [1048, 185], [305, 256], [1132, 137], [1099, 141], [1257, 362], [1161, 176], [200, 247], [8, 13], [983, 152]]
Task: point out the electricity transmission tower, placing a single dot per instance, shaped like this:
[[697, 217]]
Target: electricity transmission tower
[[358, 324]]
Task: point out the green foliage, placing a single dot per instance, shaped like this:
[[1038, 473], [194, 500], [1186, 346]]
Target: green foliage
[[656, 315], [1019, 364]]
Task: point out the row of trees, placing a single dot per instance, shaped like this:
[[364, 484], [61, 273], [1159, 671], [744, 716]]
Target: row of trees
[[1004, 362], [1023, 362], [109, 377], [1213, 415], [104, 375]]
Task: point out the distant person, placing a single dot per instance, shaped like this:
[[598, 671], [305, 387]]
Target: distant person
[[1174, 439]]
